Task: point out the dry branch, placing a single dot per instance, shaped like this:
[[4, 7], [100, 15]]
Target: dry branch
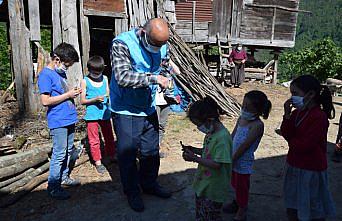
[[13, 179], [196, 79]]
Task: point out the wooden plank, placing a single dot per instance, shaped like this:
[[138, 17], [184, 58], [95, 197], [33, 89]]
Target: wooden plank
[[188, 25], [15, 31], [115, 6], [136, 13], [70, 35], [169, 6], [278, 7], [34, 17], [93, 12], [121, 25], [193, 20], [85, 36], [56, 23], [273, 23], [150, 9], [130, 13]]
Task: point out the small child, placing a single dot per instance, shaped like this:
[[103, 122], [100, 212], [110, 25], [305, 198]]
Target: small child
[[247, 134], [61, 116], [214, 160], [305, 129], [96, 98]]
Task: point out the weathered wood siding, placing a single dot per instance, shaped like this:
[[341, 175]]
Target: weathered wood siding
[[204, 11], [112, 8], [222, 9]]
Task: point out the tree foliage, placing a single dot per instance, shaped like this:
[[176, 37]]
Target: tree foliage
[[5, 69], [322, 59]]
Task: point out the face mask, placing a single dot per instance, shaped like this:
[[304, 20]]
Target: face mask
[[247, 115], [239, 48], [297, 101], [151, 48], [204, 129], [61, 69]]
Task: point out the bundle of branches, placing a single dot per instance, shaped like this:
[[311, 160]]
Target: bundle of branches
[[195, 78]]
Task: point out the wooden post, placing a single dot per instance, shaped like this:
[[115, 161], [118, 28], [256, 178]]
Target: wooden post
[[276, 61], [14, 10], [273, 23], [193, 20], [85, 36], [70, 35], [56, 23], [34, 17]]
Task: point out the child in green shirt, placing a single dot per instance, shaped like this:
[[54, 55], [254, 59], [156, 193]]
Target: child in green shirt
[[214, 160]]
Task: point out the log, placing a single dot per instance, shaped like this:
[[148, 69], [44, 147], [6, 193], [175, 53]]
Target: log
[[13, 159], [22, 191], [6, 94], [23, 165], [19, 183], [13, 179], [334, 81]]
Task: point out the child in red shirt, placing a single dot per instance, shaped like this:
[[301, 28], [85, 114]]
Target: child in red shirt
[[305, 129]]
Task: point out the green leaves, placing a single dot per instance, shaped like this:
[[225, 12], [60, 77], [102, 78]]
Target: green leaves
[[5, 69], [321, 59]]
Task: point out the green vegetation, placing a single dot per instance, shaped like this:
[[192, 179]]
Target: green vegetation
[[5, 69]]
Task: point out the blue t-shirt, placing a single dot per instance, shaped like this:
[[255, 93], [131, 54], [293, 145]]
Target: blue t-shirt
[[54, 84]]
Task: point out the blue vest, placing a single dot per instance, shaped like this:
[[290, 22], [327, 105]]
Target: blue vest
[[130, 100], [97, 111]]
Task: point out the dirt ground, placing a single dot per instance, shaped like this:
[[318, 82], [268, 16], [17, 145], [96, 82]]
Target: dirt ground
[[101, 198]]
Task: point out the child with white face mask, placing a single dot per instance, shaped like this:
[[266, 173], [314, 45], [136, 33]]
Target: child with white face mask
[[214, 160], [305, 127], [247, 134]]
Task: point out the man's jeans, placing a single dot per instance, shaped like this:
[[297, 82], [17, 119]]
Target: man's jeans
[[63, 141], [135, 133]]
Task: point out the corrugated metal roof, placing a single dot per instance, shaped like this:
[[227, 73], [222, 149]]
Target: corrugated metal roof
[[204, 10]]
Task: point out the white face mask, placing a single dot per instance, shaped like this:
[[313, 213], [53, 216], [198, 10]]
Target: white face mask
[[204, 129], [247, 115], [61, 69], [239, 48], [151, 48], [297, 101]]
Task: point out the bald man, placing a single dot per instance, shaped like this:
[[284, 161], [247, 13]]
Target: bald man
[[138, 57]]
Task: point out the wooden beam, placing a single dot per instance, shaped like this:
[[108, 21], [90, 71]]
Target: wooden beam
[[193, 20], [85, 37], [273, 23], [278, 7], [70, 35], [34, 17], [56, 23], [15, 29], [104, 13]]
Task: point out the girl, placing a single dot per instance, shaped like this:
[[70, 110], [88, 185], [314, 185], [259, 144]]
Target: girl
[[247, 134], [214, 165], [95, 97], [305, 129]]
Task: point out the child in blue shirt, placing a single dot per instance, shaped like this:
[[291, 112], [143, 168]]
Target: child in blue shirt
[[96, 98], [61, 116]]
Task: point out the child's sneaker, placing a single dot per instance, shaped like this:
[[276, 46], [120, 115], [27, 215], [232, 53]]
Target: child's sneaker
[[70, 182], [100, 169], [59, 194]]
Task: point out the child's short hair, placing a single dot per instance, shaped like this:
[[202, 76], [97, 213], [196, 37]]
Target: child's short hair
[[96, 64], [260, 102], [202, 110], [66, 53]]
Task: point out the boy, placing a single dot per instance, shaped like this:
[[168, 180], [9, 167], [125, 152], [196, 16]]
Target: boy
[[61, 116]]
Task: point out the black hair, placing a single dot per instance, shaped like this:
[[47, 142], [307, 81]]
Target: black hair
[[323, 97], [204, 109], [66, 53], [96, 64], [260, 102]]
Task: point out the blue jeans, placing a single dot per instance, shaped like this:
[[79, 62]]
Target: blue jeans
[[137, 134], [63, 141]]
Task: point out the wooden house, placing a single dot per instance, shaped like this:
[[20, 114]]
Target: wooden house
[[90, 25]]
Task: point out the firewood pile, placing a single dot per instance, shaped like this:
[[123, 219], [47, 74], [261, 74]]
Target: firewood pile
[[196, 79]]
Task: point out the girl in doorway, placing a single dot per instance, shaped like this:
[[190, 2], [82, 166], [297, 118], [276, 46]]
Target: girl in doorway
[[96, 99], [214, 160], [305, 127], [247, 134]]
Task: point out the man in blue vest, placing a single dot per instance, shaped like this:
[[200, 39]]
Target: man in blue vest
[[136, 58]]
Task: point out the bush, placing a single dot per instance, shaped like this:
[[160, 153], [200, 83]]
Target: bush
[[321, 59], [5, 68]]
